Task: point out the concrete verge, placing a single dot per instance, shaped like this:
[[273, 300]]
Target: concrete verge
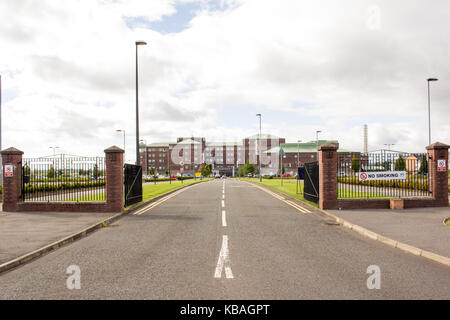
[[370, 234], [80, 234]]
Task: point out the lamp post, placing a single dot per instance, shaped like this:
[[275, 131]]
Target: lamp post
[[429, 116], [259, 139], [138, 43], [317, 143], [119, 130]]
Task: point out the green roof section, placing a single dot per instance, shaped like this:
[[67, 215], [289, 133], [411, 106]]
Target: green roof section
[[310, 146]]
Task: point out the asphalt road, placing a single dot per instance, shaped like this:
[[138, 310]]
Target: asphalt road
[[260, 248]]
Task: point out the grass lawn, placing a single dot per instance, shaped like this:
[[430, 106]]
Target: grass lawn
[[151, 191], [289, 187]]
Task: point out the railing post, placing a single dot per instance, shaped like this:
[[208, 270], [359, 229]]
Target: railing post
[[114, 179], [438, 178], [12, 178], [328, 176]]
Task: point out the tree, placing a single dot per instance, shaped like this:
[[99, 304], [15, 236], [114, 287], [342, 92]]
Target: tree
[[355, 164], [206, 169], [51, 172], [152, 171], [424, 164], [400, 164]]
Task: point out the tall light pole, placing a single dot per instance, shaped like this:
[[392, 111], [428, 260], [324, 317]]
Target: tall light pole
[[259, 138], [429, 116], [298, 153], [54, 149], [138, 43], [317, 143], [119, 130]]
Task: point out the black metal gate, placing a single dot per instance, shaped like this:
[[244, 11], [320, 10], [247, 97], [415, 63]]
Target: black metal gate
[[133, 184], [311, 187]]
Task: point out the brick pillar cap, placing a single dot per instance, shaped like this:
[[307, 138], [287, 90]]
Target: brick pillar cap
[[329, 146], [11, 151], [114, 149], [438, 145]]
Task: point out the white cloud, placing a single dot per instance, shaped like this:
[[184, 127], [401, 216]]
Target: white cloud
[[71, 66]]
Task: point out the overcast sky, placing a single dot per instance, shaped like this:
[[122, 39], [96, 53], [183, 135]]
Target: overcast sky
[[68, 71]]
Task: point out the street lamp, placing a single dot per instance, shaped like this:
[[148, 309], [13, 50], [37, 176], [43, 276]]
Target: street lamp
[[54, 149], [429, 117], [138, 43], [119, 130], [259, 138]]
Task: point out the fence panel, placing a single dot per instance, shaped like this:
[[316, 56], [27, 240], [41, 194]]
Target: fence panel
[[133, 184], [63, 178], [311, 182], [383, 174]]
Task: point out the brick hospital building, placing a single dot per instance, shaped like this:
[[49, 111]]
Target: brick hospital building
[[187, 155]]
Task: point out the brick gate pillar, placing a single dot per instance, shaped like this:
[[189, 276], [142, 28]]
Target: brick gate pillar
[[114, 179], [12, 178], [328, 176], [438, 179]]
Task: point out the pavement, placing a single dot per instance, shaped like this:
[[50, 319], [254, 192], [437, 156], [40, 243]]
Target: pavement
[[227, 240], [421, 227], [24, 232]]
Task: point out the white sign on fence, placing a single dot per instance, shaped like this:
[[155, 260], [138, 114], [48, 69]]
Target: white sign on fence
[[382, 175], [442, 165]]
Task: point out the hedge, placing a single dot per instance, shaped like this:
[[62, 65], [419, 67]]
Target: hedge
[[414, 185], [31, 188]]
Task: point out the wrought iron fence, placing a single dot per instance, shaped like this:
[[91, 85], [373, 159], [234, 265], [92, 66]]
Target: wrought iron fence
[[63, 178], [383, 174]]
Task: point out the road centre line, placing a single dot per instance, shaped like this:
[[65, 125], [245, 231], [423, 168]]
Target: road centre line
[[223, 204], [224, 219], [223, 261]]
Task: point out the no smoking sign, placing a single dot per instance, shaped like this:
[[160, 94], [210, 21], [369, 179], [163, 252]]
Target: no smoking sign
[[442, 166]]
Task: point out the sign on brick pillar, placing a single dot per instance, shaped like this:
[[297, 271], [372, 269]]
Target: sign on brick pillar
[[114, 179], [12, 178], [438, 159], [328, 176]]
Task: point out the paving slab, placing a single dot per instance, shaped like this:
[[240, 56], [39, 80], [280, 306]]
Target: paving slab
[[23, 232], [419, 227]]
